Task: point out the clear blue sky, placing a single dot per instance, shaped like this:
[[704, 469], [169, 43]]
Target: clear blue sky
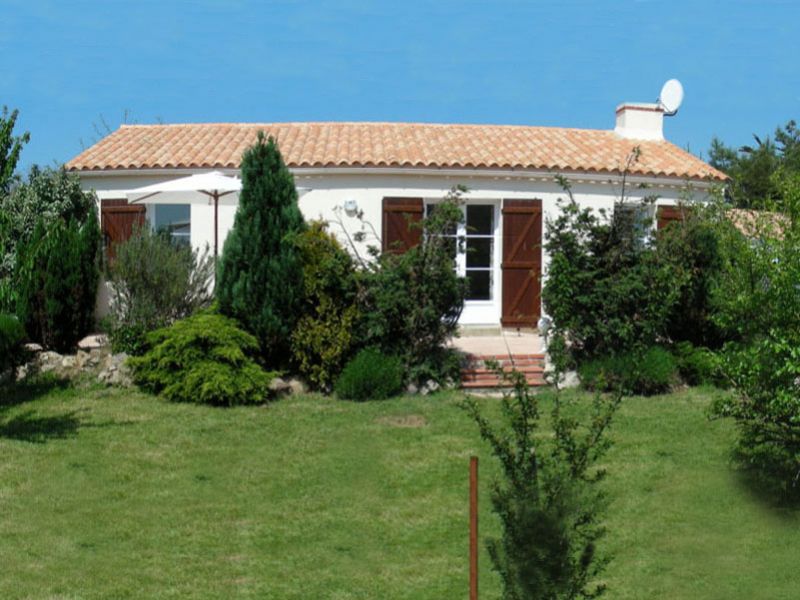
[[67, 64]]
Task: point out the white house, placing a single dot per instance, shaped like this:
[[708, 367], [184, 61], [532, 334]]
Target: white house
[[390, 172]]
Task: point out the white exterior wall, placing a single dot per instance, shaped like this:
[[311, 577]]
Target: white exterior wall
[[324, 193]]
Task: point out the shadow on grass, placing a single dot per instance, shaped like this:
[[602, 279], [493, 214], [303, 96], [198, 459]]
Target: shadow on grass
[[770, 489], [32, 427], [29, 389]]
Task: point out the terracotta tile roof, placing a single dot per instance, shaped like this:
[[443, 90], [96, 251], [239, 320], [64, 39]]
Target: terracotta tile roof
[[220, 145]]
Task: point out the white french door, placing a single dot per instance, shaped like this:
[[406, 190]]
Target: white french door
[[478, 260]]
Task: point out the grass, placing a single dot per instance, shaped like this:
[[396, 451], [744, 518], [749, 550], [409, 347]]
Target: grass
[[115, 494]]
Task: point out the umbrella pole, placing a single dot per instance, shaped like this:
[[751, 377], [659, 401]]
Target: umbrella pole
[[216, 225]]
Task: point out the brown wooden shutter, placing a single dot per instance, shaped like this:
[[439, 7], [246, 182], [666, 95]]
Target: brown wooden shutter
[[522, 263], [117, 221], [398, 214], [670, 214]]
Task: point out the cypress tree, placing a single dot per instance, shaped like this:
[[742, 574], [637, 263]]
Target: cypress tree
[[260, 273]]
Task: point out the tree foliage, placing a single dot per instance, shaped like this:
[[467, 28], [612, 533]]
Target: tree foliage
[[548, 500], [10, 148], [752, 167], [260, 273], [153, 283], [56, 276]]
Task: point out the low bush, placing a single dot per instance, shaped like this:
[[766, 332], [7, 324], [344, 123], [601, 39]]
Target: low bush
[[371, 375], [324, 336], [154, 282], [56, 275], [698, 366], [643, 373], [12, 336], [205, 359]]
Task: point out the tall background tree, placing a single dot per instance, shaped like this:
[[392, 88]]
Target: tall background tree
[[260, 273], [756, 170], [10, 148]]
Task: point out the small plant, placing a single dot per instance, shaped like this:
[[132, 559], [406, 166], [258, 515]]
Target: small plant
[[154, 282], [205, 359], [697, 366], [56, 277], [371, 375], [548, 499], [411, 302], [12, 336], [646, 373], [324, 336]]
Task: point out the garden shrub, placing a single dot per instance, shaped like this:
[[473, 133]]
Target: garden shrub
[[47, 196], [12, 337], [260, 273], [153, 283], [56, 276], [324, 336], [204, 359], [412, 301], [644, 373], [371, 375], [697, 365], [548, 498], [607, 291]]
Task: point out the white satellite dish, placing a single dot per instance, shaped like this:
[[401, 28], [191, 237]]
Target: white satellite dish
[[671, 97]]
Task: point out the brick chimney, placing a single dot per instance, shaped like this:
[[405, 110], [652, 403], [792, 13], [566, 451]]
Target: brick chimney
[[639, 121]]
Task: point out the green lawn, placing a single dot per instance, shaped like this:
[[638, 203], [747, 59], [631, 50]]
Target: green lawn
[[112, 494]]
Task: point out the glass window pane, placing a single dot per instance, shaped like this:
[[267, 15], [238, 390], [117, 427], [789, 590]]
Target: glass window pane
[[479, 252], [430, 209], [480, 219], [480, 285], [174, 218]]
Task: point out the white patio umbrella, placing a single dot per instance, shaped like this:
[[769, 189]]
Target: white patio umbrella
[[195, 189]]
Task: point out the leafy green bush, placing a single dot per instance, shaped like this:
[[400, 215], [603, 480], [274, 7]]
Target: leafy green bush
[[56, 277], [205, 359], [324, 336], [548, 500], [260, 274], [607, 291], [647, 373], [411, 302], [697, 366], [49, 195], [371, 375], [12, 336], [154, 282]]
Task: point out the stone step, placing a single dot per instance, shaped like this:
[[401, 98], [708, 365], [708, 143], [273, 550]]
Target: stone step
[[476, 375]]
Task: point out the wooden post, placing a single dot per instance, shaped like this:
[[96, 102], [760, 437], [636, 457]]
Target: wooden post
[[473, 528]]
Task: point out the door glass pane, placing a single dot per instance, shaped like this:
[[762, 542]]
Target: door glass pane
[[479, 252], [480, 219], [480, 285]]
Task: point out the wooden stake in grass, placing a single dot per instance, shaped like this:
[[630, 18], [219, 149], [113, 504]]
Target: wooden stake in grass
[[473, 528]]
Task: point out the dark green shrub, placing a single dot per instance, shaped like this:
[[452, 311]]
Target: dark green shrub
[[371, 375], [12, 337], [205, 359], [411, 302], [153, 283], [56, 277], [607, 291], [547, 499], [697, 366], [324, 336], [646, 373], [260, 274], [48, 195]]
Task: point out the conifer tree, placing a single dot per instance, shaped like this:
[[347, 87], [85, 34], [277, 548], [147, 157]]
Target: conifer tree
[[260, 273]]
